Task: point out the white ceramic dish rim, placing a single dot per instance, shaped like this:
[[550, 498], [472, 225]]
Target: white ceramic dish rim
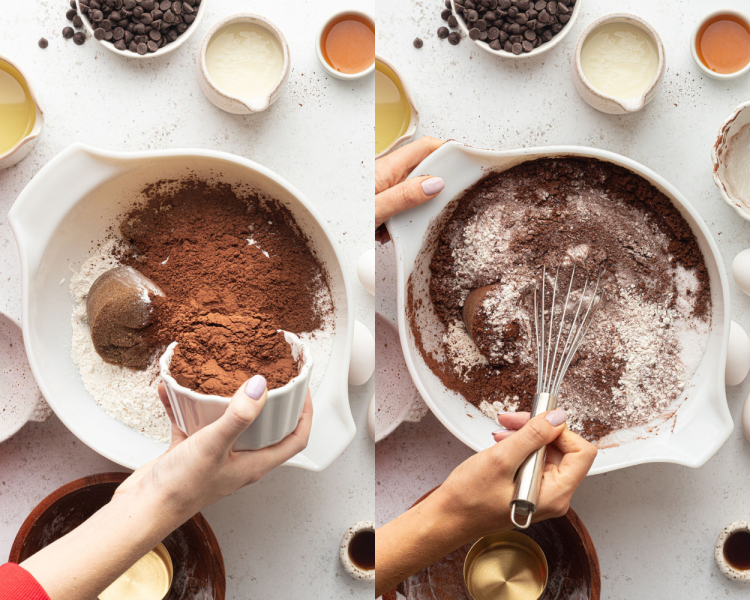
[[629, 104], [77, 148], [414, 121], [245, 18], [166, 359], [724, 417], [694, 51], [407, 408], [536, 51], [720, 141], [33, 406], [38, 123], [319, 52], [171, 47]]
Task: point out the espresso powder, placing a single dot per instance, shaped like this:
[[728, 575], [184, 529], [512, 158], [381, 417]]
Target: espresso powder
[[551, 212], [234, 269]]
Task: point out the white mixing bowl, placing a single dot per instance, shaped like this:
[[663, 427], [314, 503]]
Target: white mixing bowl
[[69, 204], [702, 422]]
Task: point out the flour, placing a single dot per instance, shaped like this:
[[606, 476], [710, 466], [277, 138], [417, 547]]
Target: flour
[[126, 395]]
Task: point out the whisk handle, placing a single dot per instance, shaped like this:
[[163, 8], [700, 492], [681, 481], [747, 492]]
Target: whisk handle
[[529, 476]]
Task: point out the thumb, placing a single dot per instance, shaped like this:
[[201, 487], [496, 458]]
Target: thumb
[[406, 195], [538, 432], [243, 409]]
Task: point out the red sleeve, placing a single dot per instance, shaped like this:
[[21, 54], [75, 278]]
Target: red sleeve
[[16, 583]]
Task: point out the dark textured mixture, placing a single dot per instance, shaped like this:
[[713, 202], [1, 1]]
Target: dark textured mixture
[[234, 269], [550, 212]]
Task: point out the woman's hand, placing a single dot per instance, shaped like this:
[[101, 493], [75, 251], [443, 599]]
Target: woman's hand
[[197, 471], [489, 474], [475, 499], [393, 193], [157, 498]]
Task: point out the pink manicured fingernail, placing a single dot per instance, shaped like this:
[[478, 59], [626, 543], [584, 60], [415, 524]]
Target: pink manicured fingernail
[[503, 434], [433, 185], [255, 387], [556, 417]]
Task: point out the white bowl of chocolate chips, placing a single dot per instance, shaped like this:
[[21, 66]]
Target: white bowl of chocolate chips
[[61, 222], [537, 205]]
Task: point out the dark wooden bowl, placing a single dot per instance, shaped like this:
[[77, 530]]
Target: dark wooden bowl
[[573, 564], [196, 556]]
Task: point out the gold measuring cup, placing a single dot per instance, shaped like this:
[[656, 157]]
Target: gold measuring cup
[[506, 566]]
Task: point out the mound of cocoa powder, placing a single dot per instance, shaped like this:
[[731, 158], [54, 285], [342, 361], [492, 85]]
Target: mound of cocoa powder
[[549, 188], [234, 269]]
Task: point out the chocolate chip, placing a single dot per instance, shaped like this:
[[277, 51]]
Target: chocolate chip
[[474, 33], [99, 33], [79, 38], [148, 5], [187, 9], [169, 17], [454, 38], [165, 5], [527, 46], [493, 33], [552, 7], [71, 14], [540, 5], [72, 5], [43, 43], [129, 37], [447, 3], [529, 35], [155, 35], [189, 18], [140, 29], [133, 47], [452, 21], [68, 32], [481, 24], [516, 48], [152, 46], [418, 43], [442, 32], [543, 16], [141, 48], [563, 18], [138, 12], [445, 14], [495, 45], [78, 21], [181, 28], [120, 45]]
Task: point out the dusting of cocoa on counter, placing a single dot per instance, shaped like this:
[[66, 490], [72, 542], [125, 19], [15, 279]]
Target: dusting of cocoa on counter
[[234, 268]]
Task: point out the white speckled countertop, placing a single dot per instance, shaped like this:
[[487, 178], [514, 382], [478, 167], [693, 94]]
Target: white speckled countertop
[[280, 536], [654, 525]]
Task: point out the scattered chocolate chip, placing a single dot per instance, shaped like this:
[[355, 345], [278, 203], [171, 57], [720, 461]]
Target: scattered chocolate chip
[[71, 14], [453, 21], [445, 15], [418, 43], [43, 43], [73, 4], [79, 38], [454, 38], [68, 32], [442, 32]]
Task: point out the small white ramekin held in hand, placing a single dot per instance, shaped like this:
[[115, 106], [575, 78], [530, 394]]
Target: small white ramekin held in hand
[[279, 417]]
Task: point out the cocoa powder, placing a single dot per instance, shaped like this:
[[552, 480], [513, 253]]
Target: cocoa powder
[[234, 269], [508, 225]]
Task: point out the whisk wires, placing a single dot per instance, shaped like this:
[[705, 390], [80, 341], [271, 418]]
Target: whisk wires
[[553, 361]]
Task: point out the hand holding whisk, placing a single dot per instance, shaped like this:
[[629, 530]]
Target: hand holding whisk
[[559, 330]]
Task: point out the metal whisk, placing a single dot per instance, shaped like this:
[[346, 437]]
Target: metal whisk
[[553, 362]]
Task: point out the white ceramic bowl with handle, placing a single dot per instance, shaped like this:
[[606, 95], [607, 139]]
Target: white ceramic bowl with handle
[[71, 203], [701, 422], [280, 414]]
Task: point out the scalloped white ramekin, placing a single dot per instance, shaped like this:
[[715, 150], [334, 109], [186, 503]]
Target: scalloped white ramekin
[[280, 414]]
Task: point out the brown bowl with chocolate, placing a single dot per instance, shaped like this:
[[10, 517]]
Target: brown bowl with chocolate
[[571, 557], [196, 559]]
